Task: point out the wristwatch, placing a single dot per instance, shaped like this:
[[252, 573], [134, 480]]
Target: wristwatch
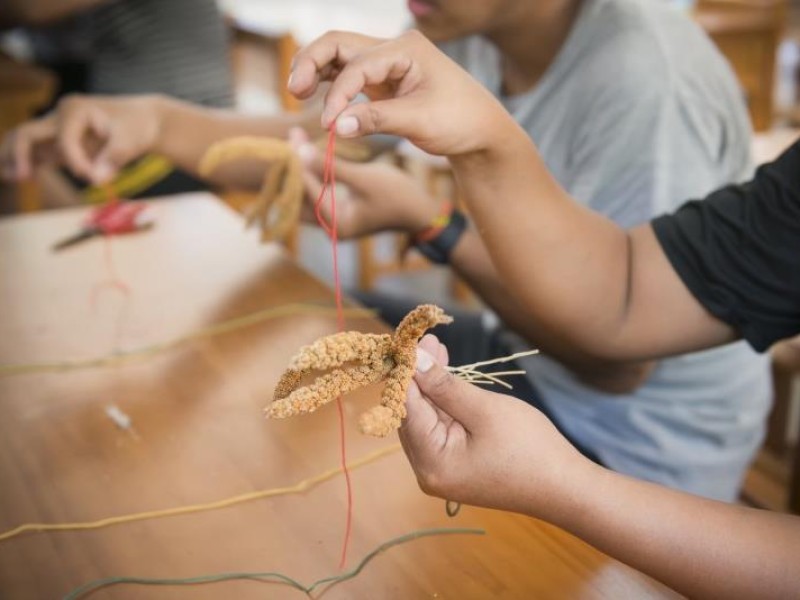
[[437, 241]]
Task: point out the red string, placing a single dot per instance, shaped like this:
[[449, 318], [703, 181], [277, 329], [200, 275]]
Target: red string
[[113, 281], [329, 184]]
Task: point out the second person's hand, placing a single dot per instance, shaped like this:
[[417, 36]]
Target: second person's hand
[[379, 196], [93, 136]]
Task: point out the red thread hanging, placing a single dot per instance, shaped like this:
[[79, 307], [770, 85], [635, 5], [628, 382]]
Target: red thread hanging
[[329, 184], [113, 280]]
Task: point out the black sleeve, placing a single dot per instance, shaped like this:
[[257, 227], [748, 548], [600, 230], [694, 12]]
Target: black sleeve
[[738, 251]]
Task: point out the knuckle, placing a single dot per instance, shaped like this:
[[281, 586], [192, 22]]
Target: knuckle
[[374, 119], [430, 482], [412, 35]]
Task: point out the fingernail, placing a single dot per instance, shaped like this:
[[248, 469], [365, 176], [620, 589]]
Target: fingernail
[[346, 125], [424, 361], [103, 172], [289, 81]]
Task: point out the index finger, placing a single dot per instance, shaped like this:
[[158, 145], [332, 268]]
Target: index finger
[[71, 140], [322, 59]]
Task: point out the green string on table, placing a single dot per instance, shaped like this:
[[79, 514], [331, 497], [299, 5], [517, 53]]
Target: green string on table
[[272, 576]]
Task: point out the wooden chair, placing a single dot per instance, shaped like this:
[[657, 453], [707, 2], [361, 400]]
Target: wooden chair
[[24, 89], [748, 33], [439, 183], [784, 422]]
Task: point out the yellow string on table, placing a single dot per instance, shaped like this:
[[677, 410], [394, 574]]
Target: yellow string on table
[[223, 327], [297, 488]]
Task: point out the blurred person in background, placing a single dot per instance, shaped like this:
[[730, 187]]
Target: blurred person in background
[[178, 48]]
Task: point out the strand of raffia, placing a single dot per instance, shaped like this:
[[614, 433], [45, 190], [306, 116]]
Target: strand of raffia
[[145, 352], [297, 488], [273, 577], [329, 186]]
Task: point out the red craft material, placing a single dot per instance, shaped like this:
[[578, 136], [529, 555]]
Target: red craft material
[[329, 185]]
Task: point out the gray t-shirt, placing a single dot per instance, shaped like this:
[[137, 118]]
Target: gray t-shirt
[[637, 114]]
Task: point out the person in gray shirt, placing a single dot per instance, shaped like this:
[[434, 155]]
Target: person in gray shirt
[[633, 110]]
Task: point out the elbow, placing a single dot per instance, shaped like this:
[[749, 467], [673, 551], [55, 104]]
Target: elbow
[[617, 379]]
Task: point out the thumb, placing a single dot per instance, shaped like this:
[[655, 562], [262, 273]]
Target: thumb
[[103, 168], [464, 402], [393, 116]]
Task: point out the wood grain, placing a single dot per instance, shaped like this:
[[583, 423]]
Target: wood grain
[[200, 436]]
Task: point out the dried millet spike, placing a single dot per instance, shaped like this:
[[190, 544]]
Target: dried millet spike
[[381, 420], [371, 358], [334, 351], [339, 348], [325, 389]]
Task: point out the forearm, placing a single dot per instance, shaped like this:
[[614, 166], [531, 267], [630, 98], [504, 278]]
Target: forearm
[[607, 292], [186, 131], [471, 261], [569, 265], [699, 547]]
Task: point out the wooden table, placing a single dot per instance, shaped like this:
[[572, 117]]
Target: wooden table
[[199, 436]]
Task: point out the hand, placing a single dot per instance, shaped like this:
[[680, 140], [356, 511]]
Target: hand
[[474, 446], [415, 91], [380, 197], [92, 136]]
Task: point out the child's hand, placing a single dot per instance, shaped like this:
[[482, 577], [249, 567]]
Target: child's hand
[[379, 197], [471, 445], [415, 91], [93, 136]]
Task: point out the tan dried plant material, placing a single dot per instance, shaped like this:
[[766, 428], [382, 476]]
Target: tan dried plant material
[[277, 208], [353, 360], [280, 199]]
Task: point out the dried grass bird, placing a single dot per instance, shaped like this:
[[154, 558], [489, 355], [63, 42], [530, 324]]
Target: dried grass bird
[[354, 360]]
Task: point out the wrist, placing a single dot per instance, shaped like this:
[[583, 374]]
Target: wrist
[[442, 234], [567, 498], [161, 108], [504, 145], [426, 216]]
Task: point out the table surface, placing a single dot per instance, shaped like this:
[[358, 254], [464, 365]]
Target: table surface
[[198, 435]]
